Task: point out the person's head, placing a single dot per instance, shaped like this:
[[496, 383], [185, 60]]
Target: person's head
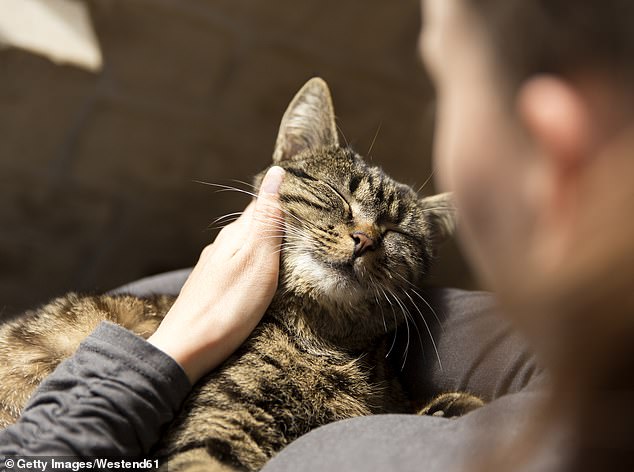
[[535, 135]]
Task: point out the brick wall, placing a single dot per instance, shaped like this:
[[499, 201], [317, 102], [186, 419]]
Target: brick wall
[[97, 170]]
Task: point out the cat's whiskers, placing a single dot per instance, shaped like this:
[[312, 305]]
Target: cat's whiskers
[[431, 175], [374, 140], [376, 287], [302, 222], [233, 217], [278, 228], [228, 215], [407, 316], [431, 336], [426, 210], [271, 227], [229, 188], [294, 245], [375, 292], [272, 237], [342, 135], [286, 230], [285, 246], [222, 226], [251, 186], [225, 219], [278, 251], [278, 223], [236, 215], [300, 233], [411, 317], [282, 229], [286, 243], [226, 188], [395, 322], [413, 289]]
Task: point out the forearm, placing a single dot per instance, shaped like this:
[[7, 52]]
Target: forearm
[[111, 398]]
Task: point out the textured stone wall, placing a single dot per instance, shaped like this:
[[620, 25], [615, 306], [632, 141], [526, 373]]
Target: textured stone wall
[[97, 170]]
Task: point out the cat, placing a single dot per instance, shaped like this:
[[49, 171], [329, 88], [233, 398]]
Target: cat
[[356, 245]]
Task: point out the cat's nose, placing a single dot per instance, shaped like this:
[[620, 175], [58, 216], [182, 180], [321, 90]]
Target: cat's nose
[[362, 243]]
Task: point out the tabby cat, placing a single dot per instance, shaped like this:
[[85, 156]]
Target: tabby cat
[[356, 243]]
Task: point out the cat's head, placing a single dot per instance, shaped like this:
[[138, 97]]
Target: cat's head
[[353, 235]]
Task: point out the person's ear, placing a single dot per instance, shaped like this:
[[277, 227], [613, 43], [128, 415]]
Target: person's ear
[[558, 119], [558, 122]]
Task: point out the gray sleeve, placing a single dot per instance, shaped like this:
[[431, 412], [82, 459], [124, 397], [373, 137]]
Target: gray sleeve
[[110, 399]]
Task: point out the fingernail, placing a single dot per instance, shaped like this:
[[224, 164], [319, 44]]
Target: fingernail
[[272, 180]]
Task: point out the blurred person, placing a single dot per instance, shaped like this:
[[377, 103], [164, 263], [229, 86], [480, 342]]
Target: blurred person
[[535, 136]]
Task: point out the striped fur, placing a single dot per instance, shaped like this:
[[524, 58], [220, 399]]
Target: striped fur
[[319, 354]]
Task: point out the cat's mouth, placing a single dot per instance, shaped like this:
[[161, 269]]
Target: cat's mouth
[[341, 282], [345, 268], [354, 270]]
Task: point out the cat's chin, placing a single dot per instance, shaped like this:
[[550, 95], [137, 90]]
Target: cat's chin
[[329, 283]]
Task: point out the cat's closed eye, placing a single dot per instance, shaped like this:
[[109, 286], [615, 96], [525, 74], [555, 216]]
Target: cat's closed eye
[[342, 199], [399, 232]]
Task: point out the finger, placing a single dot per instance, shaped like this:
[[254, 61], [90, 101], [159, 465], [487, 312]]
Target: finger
[[266, 228], [233, 236], [245, 219]]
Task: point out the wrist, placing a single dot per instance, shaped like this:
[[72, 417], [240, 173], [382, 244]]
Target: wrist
[[181, 351], [195, 355]]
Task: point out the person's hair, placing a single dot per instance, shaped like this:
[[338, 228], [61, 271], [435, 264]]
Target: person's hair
[[563, 37]]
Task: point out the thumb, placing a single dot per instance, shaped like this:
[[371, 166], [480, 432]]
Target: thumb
[[267, 224]]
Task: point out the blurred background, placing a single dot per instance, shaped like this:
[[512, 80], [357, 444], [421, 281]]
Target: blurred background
[[98, 156]]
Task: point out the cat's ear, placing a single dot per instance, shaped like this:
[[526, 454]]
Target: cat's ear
[[440, 215], [309, 122]]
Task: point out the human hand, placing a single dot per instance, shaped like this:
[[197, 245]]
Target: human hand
[[229, 289]]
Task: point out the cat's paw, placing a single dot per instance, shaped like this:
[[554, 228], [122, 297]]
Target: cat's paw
[[451, 405]]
